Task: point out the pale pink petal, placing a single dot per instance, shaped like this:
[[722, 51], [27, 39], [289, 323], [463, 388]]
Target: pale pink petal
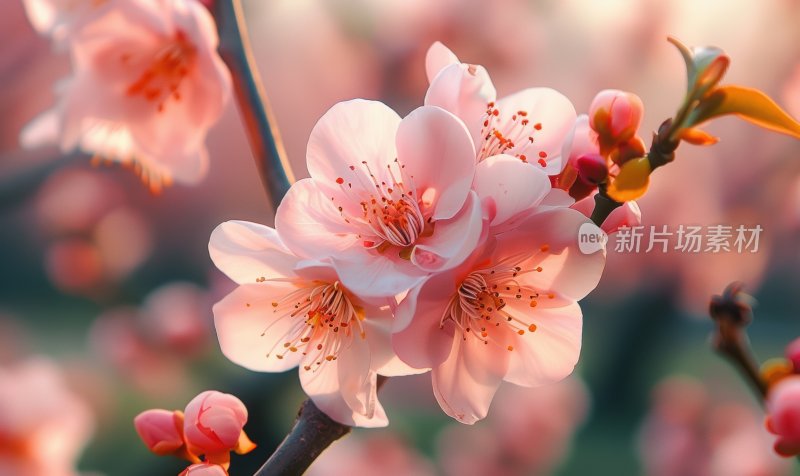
[[464, 90], [213, 422], [437, 58], [247, 251], [311, 226], [41, 131], [585, 205], [511, 185], [550, 353], [581, 140], [418, 339], [355, 377], [466, 382], [322, 384], [358, 134], [437, 152], [250, 332], [544, 106], [550, 238], [372, 274], [629, 214], [452, 240], [383, 359]]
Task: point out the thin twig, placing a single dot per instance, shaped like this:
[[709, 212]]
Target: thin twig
[[732, 313], [259, 120]]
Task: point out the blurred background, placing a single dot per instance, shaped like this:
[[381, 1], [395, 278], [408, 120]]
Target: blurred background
[[106, 290]]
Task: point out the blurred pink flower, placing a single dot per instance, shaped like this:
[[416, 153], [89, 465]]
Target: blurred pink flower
[[783, 404], [388, 199], [204, 469], [528, 432], [177, 318], [530, 124], [289, 312], [689, 433], [148, 84], [508, 313], [160, 430], [43, 425], [372, 454], [213, 426]]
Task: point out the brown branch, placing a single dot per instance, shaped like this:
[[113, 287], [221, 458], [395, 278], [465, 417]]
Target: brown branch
[[259, 120], [732, 313], [313, 431]]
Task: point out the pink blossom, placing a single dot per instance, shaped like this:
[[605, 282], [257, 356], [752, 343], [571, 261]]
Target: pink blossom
[[147, 86], [160, 430], [204, 469], [213, 423], [43, 425], [389, 200], [291, 312], [530, 124], [508, 313], [784, 415]]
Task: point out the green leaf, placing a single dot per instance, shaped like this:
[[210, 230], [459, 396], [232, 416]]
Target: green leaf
[[751, 105]]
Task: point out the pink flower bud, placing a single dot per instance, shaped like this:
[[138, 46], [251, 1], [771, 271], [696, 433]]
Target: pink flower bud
[[592, 168], [204, 469], [793, 354], [615, 116], [213, 422], [160, 430], [783, 403]]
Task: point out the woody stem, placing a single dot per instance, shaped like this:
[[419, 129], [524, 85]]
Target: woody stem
[[259, 120]]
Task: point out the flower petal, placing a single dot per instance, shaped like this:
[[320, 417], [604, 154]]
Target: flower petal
[[511, 185], [372, 275], [322, 384], [464, 90], [550, 238], [384, 361], [437, 58], [466, 382], [550, 353], [418, 339], [247, 251], [437, 152], [358, 134], [452, 240], [544, 106], [250, 333], [311, 226]]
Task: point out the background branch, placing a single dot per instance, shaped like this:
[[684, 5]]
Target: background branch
[[259, 120]]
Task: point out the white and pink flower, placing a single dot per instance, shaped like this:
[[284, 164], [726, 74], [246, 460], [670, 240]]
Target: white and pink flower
[[508, 313], [147, 86], [289, 312], [389, 199]]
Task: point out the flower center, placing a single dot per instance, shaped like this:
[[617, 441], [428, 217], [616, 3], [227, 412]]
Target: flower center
[[501, 136], [324, 321], [162, 78], [393, 214], [478, 308]]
